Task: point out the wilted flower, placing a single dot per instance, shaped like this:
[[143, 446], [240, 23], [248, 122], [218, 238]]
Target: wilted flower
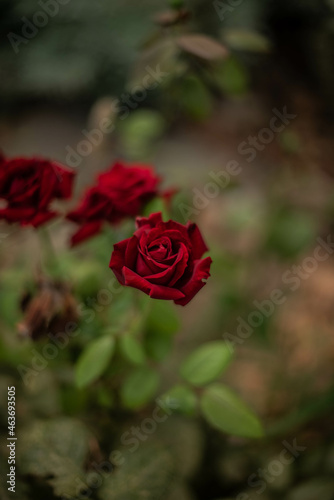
[[48, 310]]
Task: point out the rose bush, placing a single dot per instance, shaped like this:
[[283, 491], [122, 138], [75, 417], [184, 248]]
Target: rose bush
[[163, 259], [120, 192], [29, 185]]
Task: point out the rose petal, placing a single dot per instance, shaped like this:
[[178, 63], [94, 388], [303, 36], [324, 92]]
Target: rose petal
[[117, 260], [201, 272], [86, 231], [150, 221], [41, 218], [154, 291], [198, 245]]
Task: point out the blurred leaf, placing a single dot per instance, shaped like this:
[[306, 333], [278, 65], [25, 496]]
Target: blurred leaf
[[161, 324], [162, 317], [158, 345], [139, 387], [206, 363], [202, 46], [250, 41], [193, 96], [94, 360], [289, 233], [132, 349], [231, 77], [105, 397], [182, 399], [144, 475], [140, 131], [86, 274], [228, 413], [290, 141], [56, 449]]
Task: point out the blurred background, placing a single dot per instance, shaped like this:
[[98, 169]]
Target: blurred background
[[191, 87]]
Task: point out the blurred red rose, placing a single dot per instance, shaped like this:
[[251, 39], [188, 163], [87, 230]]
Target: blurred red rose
[[120, 192], [163, 259], [28, 185]]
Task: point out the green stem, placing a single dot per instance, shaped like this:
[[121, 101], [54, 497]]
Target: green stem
[[51, 261]]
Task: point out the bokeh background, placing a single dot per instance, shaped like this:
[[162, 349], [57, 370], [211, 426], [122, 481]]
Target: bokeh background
[[65, 79]]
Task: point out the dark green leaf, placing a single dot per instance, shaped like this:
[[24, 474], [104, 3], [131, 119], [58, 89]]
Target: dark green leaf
[[139, 387], [94, 360], [181, 398], [132, 349]]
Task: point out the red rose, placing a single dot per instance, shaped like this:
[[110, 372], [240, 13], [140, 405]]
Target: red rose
[[28, 185], [163, 259], [120, 192]]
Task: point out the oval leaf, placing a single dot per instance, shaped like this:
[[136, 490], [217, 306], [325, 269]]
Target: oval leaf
[[139, 387], [94, 360], [228, 413], [132, 349], [181, 399], [202, 46], [250, 41], [206, 363]]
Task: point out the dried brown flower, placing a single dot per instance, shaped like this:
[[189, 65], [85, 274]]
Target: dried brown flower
[[47, 310]]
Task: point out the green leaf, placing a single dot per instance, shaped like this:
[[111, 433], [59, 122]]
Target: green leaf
[[228, 413], [163, 318], [139, 387], [195, 99], [202, 46], [105, 397], [139, 132], [181, 398], [206, 363], [94, 360], [290, 232], [246, 40], [158, 345], [231, 77], [132, 349]]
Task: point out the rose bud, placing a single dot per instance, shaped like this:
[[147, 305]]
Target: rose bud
[[163, 259], [29, 185], [120, 192], [47, 311]]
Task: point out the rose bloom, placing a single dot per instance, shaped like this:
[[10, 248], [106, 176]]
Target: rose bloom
[[29, 185], [120, 192], [163, 259]]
